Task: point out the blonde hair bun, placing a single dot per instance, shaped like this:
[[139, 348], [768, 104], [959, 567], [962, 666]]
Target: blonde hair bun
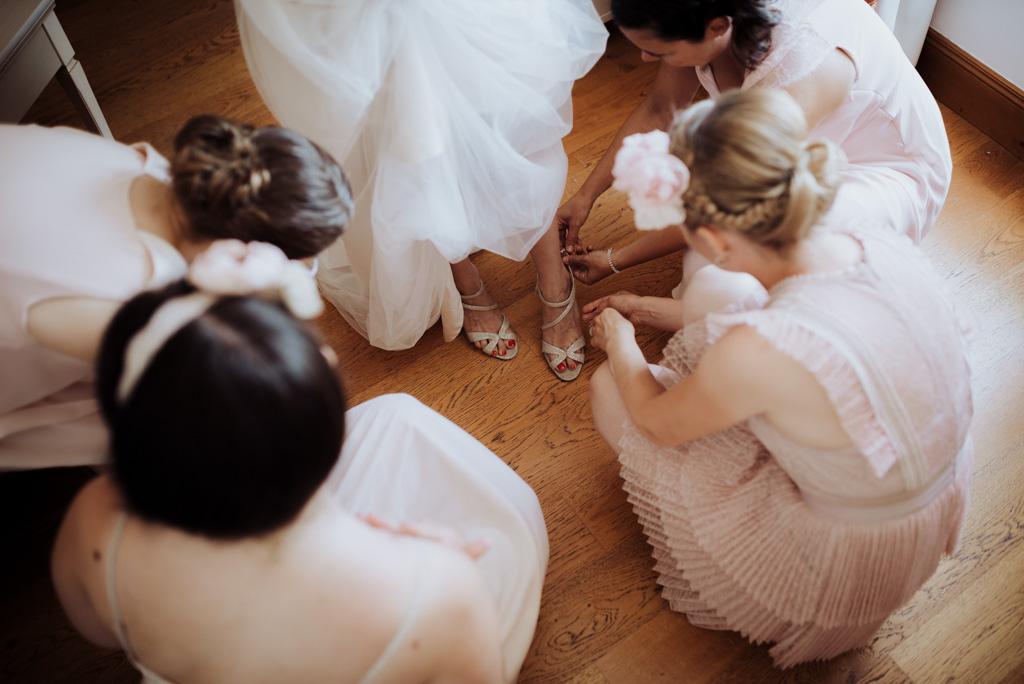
[[752, 169]]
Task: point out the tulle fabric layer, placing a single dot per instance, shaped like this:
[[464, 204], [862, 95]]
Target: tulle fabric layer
[[737, 547], [447, 118]]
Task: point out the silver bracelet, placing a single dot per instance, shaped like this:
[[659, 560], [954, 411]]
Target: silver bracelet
[[610, 264]]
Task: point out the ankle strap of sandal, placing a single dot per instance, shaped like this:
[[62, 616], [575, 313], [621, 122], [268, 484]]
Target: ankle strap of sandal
[[476, 307], [567, 304]]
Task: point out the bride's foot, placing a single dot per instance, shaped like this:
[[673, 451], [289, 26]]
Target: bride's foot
[[562, 331], [480, 317]]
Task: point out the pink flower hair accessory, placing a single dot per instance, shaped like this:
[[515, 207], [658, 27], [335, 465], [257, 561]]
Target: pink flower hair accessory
[[654, 179], [233, 267], [227, 267]]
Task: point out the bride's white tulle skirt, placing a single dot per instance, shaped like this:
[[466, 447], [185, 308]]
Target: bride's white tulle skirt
[[447, 116]]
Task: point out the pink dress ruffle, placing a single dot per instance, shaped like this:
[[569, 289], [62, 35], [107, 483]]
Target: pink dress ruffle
[[808, 549]]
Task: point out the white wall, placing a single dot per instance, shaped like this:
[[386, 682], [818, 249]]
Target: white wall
[[988, 30]]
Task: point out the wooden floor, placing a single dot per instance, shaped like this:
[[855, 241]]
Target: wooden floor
[[154, 63]]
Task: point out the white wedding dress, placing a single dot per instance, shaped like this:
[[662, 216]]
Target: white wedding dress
[[447, 118]]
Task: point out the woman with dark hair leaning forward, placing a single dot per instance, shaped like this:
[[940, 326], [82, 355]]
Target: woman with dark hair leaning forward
[[837, 58], [801, 459], [232, 543], [89, 222]]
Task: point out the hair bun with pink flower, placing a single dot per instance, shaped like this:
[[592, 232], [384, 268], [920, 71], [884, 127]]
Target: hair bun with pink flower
[[654, 178]]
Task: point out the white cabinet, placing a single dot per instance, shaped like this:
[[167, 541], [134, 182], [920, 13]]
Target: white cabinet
[[34, 49]]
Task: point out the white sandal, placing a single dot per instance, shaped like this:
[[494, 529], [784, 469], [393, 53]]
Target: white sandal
[[505, 332], [575, 350]]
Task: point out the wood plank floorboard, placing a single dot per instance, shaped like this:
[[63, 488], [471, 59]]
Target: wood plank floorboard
[[154, 63]]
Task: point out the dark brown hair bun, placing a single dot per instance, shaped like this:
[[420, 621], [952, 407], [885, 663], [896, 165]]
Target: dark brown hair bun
[[269, 184]]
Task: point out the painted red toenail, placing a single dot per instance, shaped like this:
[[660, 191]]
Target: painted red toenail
[[494, 353], [561, 366], [511, 343], [503, 352]]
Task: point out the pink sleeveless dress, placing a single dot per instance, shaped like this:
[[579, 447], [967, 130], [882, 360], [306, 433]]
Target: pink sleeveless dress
[[890, 126], [808, 549]]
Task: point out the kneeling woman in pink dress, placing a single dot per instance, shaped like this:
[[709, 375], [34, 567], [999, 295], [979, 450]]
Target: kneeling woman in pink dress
[[801, 459], [237, 539]]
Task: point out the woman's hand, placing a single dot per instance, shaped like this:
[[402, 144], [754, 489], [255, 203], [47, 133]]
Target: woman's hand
[[626, 303], [611, 328], [432, 531], [569, 218], [588, 266]]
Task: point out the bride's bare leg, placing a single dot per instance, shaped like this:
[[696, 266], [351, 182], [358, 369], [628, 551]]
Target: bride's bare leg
[[467, 281], [555, 285]]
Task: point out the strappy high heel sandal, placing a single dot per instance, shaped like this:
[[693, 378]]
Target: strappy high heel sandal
[[505, 332], [575, 350]]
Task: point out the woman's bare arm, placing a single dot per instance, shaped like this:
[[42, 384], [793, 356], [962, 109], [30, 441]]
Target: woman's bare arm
[[592, 266], [673, 89], [459, 638], [826, 88], [73, 326], [733, 382], [663, 313], [79, 557]]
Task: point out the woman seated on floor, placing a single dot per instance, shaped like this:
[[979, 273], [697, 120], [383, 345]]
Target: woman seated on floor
[[230, 541], [801, 459]]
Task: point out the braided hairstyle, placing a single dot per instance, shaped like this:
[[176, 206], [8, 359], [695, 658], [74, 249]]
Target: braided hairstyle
[[752, 170], [268, 184], [671, 20]]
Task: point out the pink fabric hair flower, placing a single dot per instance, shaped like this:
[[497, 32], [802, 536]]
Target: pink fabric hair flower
[[654, 178], [233, 267]]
